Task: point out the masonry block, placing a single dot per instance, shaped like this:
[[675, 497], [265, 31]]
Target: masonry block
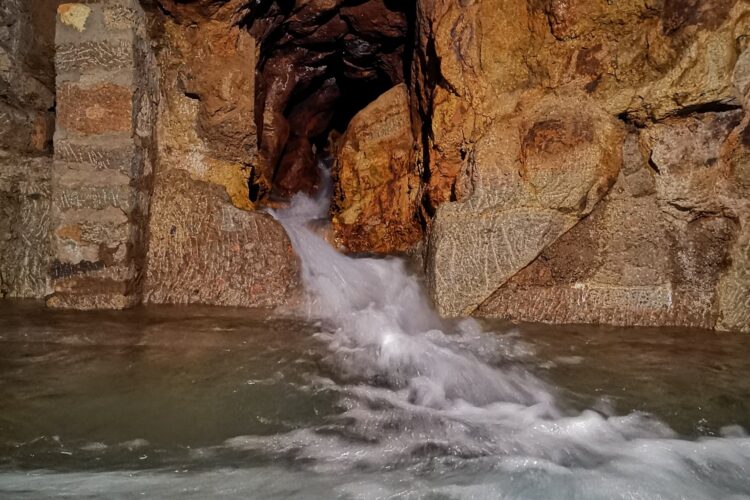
[[100, 109], [101, 182]]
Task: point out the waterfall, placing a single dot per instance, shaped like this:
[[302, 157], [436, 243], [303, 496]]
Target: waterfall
[[413, 384]]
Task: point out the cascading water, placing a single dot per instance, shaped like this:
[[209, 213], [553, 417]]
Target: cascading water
[[421, 397]]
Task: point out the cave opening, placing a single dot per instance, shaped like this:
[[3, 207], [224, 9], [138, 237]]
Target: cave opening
[[319, 63]]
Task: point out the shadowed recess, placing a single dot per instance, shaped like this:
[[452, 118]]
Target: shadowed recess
[[320, 62]]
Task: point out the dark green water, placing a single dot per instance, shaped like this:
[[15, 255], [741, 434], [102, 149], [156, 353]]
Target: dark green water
[[152, 401]]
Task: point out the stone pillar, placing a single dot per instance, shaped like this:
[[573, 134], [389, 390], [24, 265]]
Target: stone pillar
[[102, 170]]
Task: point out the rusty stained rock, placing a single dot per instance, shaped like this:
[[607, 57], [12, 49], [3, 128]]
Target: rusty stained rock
[[377, 199], [473, 62]]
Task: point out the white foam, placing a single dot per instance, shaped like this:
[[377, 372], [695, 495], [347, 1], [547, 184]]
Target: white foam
[[413, 388]]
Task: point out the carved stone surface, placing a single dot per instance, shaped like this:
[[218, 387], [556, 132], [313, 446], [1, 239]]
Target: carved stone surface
[[547, 171], [103, 148], [204, 250]]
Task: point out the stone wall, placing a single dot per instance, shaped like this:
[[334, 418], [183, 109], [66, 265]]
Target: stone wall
[[146, 198], [106, 91], [26, 127]]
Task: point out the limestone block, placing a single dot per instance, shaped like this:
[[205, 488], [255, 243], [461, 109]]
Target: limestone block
[[471, 254], [613, 268], [88, 56], [203, 250], [120, 157], [103, 145]]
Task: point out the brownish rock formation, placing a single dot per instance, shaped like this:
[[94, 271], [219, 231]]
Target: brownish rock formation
[[320, 62], [207, 244], [531, 110], [377, 198]]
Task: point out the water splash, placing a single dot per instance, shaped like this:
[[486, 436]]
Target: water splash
[[415, 392]]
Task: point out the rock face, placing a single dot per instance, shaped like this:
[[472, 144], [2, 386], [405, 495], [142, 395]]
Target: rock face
[[376, 204], [27, 84], [584, 159], [203, 250], [550, 170]]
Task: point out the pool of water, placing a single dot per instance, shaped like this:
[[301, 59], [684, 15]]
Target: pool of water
[[205, 403]]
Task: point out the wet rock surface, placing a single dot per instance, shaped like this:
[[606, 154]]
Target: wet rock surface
[[319, 62], [377, 200], [322, 61]]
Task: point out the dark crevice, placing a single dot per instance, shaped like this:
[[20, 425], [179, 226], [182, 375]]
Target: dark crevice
[[319, 66], [654, 166], [631, 121], [431, 76], [709, 107]]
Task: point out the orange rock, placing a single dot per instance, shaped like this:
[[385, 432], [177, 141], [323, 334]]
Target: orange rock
[[376, 204], [100, 109]]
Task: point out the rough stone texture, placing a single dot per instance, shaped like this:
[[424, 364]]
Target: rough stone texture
[[24, 226], [101, 181], [613, 268], [205, 115], [376, 204], [204, 250], [99, 109], [533, 179], [26, 126], [665, 83]]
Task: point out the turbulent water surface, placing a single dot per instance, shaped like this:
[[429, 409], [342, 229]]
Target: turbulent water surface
[[365, 393]]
